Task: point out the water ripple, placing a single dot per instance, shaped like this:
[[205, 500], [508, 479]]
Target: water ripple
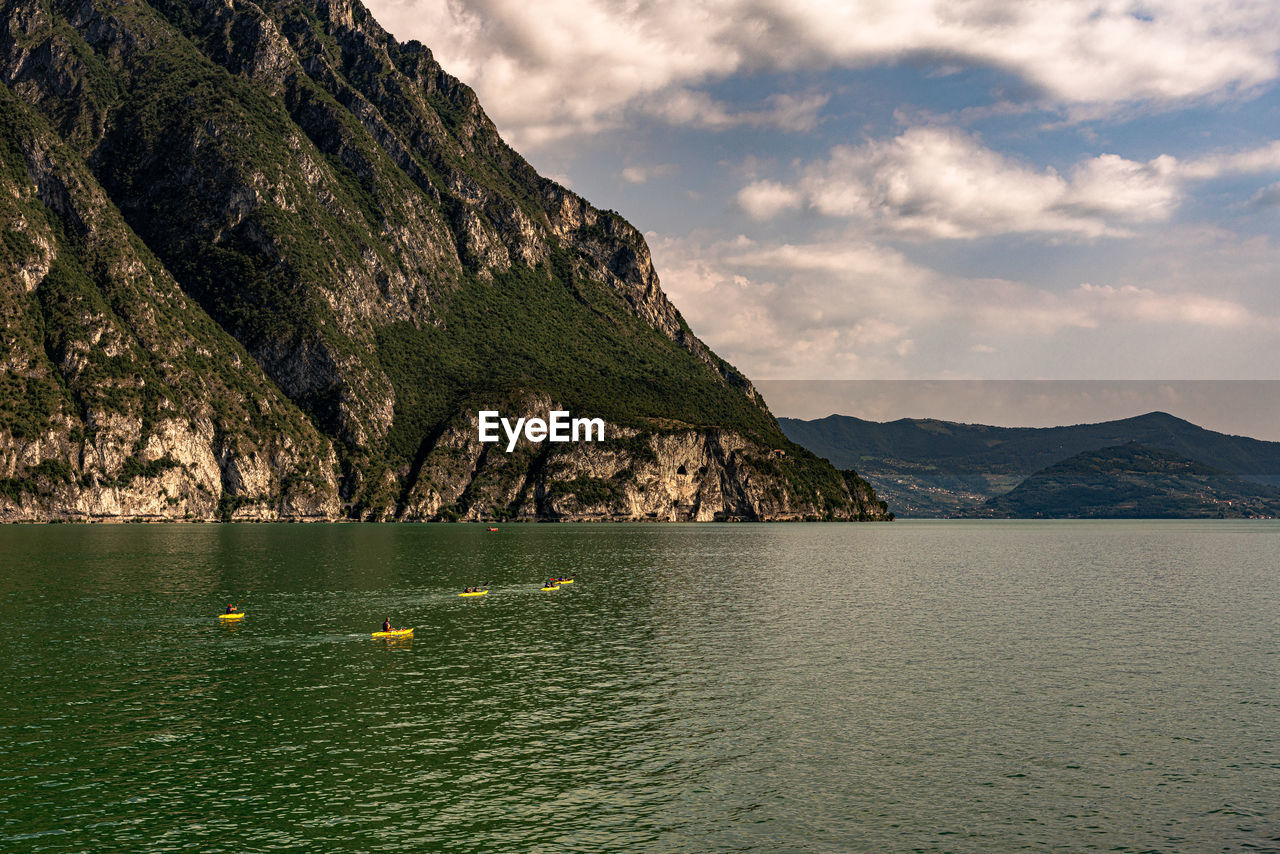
[[932, 687]]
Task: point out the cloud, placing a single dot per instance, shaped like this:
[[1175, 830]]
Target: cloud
[[685, 107], [942, 183], [844, 308], [562, 67], [767, 199], [1109, 187], [1089, 306], [642, 174], [1263, 159], [1267, 196]]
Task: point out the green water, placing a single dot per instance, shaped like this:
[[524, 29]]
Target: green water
[[935, 686]]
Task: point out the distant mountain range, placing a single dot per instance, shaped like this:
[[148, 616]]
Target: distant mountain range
[[1133, 481], [1155, 465]]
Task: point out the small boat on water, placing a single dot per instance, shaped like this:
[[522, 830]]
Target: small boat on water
[[475, 592], [395, 633], [234, 615]]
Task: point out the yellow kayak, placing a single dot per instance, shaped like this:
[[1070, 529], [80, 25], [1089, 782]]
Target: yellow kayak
[[474, 593], [565, 581], [395, 633], [235, 615], [555, 587]]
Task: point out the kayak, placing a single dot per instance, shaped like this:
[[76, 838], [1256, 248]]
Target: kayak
[[556, 587], [474, 593], [395, 633], [569, 581], [237, 615]]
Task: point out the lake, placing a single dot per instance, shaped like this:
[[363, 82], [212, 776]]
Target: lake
[[914, 686]]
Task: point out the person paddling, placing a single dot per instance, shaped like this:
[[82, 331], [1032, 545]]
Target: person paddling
[[231, 609], [386, 625]]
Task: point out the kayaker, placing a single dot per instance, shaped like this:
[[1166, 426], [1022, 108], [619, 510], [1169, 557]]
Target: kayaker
[[386, 625], [231, 609]]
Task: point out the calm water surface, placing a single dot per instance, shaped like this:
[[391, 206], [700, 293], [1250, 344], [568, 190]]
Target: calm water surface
[[932, 686]]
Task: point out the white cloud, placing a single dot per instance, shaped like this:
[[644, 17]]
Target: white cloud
[[767, 199], [1109, 187], [699, 110], [561, 67], [841, 308], [932, 182], [1145, 305], [1263, 159], [634, 174], [1088, 306]]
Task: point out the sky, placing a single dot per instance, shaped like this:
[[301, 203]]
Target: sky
[[915, 190]]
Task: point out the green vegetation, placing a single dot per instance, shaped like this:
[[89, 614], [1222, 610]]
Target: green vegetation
[[342, 229], [637, 448], [27, 404], [589, 491], [931, 468], [14, 488], [229, 504], [1134, 481], [135, 468], [39, 479], [979, 449], [257, 296], [106, 332], [525, 332]]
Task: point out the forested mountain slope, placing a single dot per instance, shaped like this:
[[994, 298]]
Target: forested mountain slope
[[263, 261]]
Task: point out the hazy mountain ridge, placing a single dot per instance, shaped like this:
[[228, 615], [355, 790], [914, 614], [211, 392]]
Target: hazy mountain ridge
[[319, 255], [1133, 481], [928, 467]]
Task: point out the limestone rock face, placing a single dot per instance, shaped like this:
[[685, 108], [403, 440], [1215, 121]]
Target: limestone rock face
[[262, 261], [665, 475], [121, 399]]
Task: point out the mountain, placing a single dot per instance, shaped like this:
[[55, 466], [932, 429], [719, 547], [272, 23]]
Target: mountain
[[1133, 481], [927, 467], [261, 260]]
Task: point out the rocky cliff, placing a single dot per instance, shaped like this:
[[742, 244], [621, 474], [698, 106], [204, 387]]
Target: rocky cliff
[[263, 261]]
